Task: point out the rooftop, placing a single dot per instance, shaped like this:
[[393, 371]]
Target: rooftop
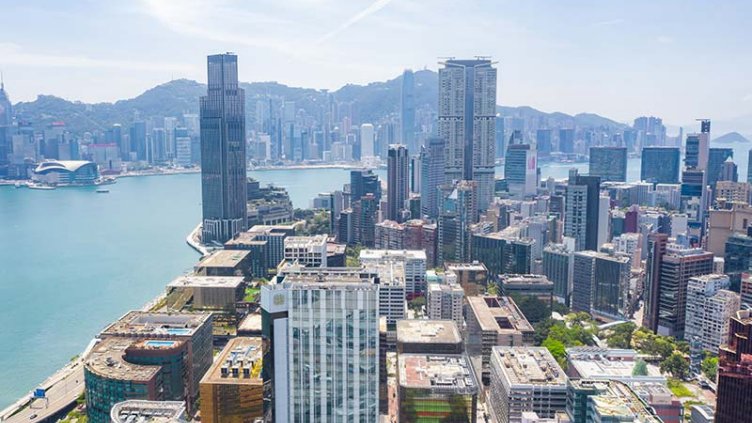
[[107, 359], [251, 323], [141, 323], [390, 272], [437, 372], [621, 401], [195, 281], [140, 411], [397, 254], [324, 280], [605, 363], [239, 363], [529, 366], [224, 258], [509, 279], [305, 241], [476, 266], [499, 314], [428, 331]]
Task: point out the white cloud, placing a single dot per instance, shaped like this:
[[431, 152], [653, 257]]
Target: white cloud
[[14, 54], [371, 9]]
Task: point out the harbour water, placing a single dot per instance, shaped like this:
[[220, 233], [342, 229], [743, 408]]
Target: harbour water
[[72, 261]]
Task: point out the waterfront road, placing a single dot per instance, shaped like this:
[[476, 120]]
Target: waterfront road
[[62, 390]]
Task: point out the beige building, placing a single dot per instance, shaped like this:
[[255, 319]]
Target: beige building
[[722, 223]]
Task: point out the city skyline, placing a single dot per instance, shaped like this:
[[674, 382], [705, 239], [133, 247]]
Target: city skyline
[[157, 41]]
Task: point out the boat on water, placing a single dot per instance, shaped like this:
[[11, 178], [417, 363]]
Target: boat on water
[[19, 185], [40, 186], [102, 191]]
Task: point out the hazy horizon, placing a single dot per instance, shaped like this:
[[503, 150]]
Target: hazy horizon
[[672, 59]]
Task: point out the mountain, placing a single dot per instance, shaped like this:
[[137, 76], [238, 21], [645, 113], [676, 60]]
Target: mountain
[[369, 103], [731, 137]]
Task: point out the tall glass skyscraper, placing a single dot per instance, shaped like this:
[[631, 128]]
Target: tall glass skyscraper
[[582, 210], [660, 165], [609, 163], [398, 181], [223, 167], [432, 176], [467, 122]]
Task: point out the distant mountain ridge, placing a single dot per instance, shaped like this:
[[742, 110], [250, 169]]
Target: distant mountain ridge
[[370, 102], [729, 138]]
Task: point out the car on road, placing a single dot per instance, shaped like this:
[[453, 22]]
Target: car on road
[[32, 417]]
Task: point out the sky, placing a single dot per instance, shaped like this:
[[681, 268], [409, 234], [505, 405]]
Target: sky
[[679, 60]]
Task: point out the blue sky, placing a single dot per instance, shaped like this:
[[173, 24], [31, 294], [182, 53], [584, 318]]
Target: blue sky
[[675, 59]]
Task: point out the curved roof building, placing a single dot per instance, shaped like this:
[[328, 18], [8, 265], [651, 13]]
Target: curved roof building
[[66, 172]]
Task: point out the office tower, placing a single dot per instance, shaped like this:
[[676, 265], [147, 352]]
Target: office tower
[[366, 140], [223, 177], [192, 329], [660, 165], [398, 182], [467, 113], [604, 219], [432, 176], [735, 372], [544, 142], [566, 140], [697, 150], [144, 411], [493, 321], [521, 170], [657, 243], [319, 374], [729, 172], [421, 336], [503, 253], [601, 285], [677, 266], [651, 129], [722, 223], [364, 220], [233, 389], [364, 182], [416, 168], [433, 387], [525, 379], [737, 257], [444, 301], [558, 263], [609, 163], [413, 262], [582, 210], [309, 251], [138, 146], [407, 110], [694, 195], [6, 107], [716, 158], [459, 210], [119, 369], [710, 306]]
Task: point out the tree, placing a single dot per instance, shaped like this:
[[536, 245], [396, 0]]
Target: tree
[[709, 367], [676, 365], [417, 303], [557, 349], [620, 336], [640, 368], [534, 309]]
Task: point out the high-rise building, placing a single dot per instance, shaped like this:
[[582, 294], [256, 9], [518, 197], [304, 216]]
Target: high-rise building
[[749, 168], [566, 140], [521, 170], [435, 387], [367, 135], [609, 163], [582, 210], [458, 211], [697, 151], [467, 113], [493, 321], [677, 266], [710, 306], [364, 182], [398, 182], [502, 253], [223, 165], [445, 302], [407, 110], [738, 257], [432, 176], [651, 130], [558, 266], [735, 372], [309, 251], [324, 355], [729, 172], [716, 158], [413, 262], [601, 285], [233, 388], [525, 379], [657, 243], [544, 142], [660, 165]]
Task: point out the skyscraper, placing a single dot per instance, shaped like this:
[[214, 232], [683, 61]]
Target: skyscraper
[[366, 140], [716, 158], [566, 140], [609, 163], [407, 110], [467, 113], [6, 118], [398, 181], [521, 170], [432, 176], [324, 333], [660, 165], [223, 165], [601, 285], [735, 372], [697, 150], [458, 211], [657, 243], [710, 306], [364, 182], [582, 210]]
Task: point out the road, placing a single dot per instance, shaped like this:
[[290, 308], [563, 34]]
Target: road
[[61, 392]]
